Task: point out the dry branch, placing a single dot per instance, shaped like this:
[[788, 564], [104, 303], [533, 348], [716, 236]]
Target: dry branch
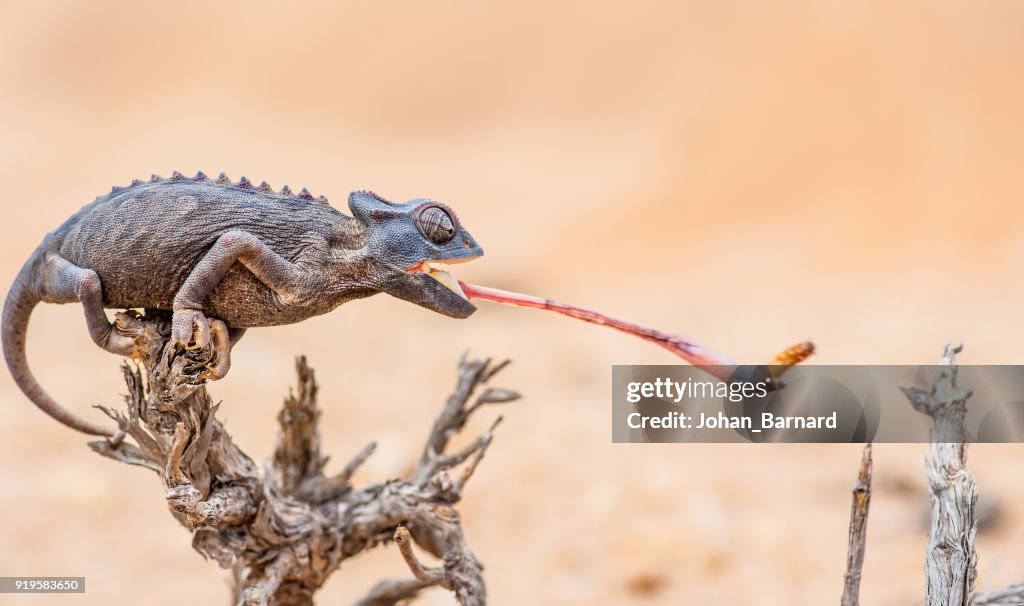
[[858, 531], [950, 563], [283, 531], [1011, 596]]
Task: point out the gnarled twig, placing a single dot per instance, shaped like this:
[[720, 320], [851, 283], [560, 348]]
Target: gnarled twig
[[282, 532]]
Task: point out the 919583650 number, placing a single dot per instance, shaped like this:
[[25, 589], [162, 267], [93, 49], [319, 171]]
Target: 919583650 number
[[42, 584]]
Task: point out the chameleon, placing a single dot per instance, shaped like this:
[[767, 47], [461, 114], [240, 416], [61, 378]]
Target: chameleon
[[223, 256]]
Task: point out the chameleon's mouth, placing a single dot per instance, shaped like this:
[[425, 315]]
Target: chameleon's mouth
[[438, 270]]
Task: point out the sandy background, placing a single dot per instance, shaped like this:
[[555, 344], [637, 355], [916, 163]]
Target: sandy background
[[750, 176]]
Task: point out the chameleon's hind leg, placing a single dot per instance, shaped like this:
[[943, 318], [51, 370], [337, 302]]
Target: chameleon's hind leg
[[64, 282], [190, 329]]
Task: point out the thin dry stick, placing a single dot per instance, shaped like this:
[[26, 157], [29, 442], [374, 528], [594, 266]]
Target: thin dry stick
[[951, 560], [430, 576], [392, 591], [858, 530], [284, 530]]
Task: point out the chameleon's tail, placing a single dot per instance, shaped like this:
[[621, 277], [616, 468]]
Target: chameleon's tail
[[21, 300]]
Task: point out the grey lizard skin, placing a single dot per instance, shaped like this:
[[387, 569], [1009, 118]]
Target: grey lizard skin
[[225, 256]]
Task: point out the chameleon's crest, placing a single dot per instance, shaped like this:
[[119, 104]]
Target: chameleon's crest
[[223, 179]]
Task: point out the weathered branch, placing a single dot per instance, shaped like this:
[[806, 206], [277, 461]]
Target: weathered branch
[[858, 531], [951, 560], [392, 591], [282, 532], [1011, 596]]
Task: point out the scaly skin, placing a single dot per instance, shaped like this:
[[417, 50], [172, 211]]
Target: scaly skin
[[240, 255]]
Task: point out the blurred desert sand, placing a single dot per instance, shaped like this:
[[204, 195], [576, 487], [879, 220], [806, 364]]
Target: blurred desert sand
[[750, 175]]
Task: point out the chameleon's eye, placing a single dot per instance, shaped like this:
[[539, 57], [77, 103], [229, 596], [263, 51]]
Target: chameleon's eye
[[436, 225]]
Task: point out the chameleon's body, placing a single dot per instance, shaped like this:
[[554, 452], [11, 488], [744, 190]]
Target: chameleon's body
[[241, 254]]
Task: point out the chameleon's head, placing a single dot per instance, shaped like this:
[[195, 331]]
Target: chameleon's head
[[411, 243]]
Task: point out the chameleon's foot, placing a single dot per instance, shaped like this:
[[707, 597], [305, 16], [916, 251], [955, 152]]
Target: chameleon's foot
[[206, 344], [120, 344], [220, 361], [190, 330], [119, 340]]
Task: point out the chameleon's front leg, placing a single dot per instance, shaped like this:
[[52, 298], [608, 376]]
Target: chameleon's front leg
[[190, 328]]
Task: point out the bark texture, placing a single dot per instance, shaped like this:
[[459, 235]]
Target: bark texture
[[951, 560], [282, 530], [858, 531], [1011, 596]]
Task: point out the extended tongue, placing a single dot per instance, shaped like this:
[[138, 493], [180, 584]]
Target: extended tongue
[[701, 357]]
